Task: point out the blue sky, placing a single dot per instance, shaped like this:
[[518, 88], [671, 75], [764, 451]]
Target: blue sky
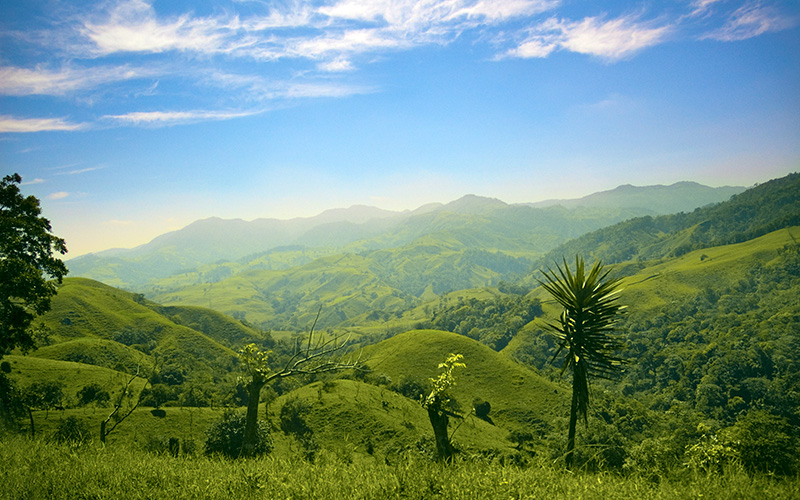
[[132, 118]]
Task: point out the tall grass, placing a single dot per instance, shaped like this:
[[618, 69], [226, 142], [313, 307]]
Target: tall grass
[[35, 469]]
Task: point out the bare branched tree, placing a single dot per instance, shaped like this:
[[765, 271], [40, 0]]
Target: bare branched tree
[[313, 359], [127, 392]]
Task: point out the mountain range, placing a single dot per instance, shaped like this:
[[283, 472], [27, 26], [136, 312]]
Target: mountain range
[[469, 222]]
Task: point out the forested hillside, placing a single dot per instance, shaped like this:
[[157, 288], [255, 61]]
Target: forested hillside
[[755, 212]]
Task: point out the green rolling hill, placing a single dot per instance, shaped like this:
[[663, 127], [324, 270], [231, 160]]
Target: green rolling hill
[[98, 327], [364, 421], [518, 396]]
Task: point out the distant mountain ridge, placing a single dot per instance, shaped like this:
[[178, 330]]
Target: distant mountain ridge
[[678, 197], [468, 222], [757, 211]]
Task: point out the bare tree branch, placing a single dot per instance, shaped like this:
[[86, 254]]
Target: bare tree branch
[[118, 405]]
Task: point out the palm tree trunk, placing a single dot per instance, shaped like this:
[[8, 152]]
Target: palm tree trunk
[[573, 420]]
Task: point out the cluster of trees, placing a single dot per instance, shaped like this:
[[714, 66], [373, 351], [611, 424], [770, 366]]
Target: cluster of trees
[[493, 322]]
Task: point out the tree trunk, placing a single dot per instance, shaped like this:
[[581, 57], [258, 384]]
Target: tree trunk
[[439, 422], [573, 420], [103, 432], [30, 416], [251, 422]]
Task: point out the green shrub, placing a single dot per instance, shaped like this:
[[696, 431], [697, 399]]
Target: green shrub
[[73, 431], [226, 435], [411, 388], [767, 443], [711, 453], [93, 393], [293, 418]]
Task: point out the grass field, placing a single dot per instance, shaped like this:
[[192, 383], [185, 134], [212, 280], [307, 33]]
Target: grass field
[[38, 470]]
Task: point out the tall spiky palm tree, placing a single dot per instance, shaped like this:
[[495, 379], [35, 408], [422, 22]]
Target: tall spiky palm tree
[[585, 330]]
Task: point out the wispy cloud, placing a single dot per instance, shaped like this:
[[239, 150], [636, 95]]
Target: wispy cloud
[[301, 30], [612, 40], [79, 171], [337, 65], [34, 181], [164, 118], [59, 195], [132, 26], [702, 7], [750, 21], [43, 81], [12, 124]]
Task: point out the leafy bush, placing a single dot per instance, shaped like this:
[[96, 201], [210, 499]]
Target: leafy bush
[[712, 453], [293, 421], [767, 443], [71, 430], [225, 437], [93, 393], [292, 418], [411, 388]]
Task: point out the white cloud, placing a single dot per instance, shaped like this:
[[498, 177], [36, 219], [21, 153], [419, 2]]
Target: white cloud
[[60, 195], [37, 180], [337, 65], [494, 10], [702, 7], [80, 171], [324, 36], [42, 81], [750, 21], [132, 26], [299, 30], [12, 124], [163, 118], [614, 39]]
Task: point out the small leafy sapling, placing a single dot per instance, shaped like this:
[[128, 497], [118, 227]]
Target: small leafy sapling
[[437, 404]]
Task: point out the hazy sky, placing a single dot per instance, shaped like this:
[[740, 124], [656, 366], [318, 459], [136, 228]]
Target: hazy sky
[[131, 118]]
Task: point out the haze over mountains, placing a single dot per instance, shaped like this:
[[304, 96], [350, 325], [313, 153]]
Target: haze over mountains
[[469, 222]]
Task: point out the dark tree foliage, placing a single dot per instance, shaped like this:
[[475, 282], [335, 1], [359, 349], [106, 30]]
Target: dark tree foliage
[[12, 407], [27, 261], [43, 395], [93, 393], [493, 322]]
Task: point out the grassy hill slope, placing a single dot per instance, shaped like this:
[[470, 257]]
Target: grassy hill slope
[[519, 397], [189, 349], [361, 421]]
